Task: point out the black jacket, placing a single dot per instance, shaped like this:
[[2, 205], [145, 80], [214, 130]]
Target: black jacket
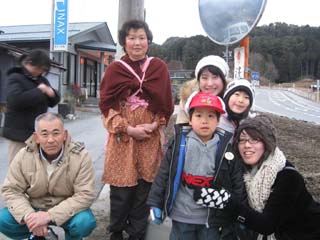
[[229, 175], [24, 103], [290, 212]]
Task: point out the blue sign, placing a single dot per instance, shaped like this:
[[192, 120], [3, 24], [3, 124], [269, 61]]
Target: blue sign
[[60, 42], [255, 75]]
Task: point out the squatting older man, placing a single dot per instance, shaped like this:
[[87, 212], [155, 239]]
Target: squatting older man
[[50, 181]]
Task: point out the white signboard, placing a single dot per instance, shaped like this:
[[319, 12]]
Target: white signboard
[[239, 63]]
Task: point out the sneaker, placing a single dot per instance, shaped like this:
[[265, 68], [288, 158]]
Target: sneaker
[[33, 237], [52, 236], [135, 238]]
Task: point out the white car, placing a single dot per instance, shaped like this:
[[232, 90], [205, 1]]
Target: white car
[[235, 32]]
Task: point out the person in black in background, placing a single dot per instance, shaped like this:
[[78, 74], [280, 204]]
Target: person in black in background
[[28, 94]]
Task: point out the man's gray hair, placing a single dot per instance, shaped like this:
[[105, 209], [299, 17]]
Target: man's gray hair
[[48, 116]]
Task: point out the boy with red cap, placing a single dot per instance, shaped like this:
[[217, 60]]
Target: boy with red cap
[[198, 158]]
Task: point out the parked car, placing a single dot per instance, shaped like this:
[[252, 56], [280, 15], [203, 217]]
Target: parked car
[[235, 32], [314, 87]]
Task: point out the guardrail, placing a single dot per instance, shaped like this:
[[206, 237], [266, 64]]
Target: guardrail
[[313, 96]]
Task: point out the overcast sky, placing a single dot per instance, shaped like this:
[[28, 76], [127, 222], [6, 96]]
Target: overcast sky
[[166, 18]]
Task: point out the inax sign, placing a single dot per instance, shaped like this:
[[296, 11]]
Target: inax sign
[[60, 39]]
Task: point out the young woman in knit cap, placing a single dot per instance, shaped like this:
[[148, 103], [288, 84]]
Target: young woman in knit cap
[[279, 204], [211, 72], [238, 99]]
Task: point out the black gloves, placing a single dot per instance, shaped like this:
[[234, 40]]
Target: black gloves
[[211, 197]]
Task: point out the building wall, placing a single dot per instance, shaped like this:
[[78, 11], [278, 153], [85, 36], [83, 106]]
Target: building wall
[[6, 62], [76, 72]]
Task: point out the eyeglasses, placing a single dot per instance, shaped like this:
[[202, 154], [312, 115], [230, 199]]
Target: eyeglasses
[[249, 140]]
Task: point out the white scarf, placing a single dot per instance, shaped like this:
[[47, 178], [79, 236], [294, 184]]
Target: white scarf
[[259, 185]]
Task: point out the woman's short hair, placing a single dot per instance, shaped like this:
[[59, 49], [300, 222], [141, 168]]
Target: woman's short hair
[[133, 24], [37, 58]]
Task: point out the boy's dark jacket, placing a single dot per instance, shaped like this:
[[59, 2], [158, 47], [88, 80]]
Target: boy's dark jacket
[[230, 176]]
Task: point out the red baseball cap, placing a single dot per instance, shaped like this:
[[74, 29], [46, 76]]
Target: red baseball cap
[[202, 99]]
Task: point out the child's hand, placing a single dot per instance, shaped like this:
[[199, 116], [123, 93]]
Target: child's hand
[[211, 197], [156, 215]]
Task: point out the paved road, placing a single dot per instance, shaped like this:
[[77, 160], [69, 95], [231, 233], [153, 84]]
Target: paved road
[[285, 103]]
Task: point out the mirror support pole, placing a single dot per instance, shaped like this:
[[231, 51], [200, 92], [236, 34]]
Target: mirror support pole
[[245, 43], [227, 54]]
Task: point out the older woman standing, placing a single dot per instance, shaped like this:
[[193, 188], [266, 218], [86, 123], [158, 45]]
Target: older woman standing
[[280, 206], [136, 102]]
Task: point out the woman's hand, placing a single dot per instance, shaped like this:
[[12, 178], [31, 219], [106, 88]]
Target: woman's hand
[[149, 126], [139, 132], [46, 90]]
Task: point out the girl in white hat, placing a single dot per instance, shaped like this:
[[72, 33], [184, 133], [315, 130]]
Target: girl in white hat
[[238, 99], [211, 72]]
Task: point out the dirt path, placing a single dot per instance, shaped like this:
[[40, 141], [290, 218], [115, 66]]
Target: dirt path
[[300, 141]]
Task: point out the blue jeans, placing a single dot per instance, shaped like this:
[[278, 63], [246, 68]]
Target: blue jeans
[[186, 231], [77, 227]]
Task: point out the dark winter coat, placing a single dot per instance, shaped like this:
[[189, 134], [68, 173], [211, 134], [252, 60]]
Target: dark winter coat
[[24, 103], [229, 175], [290, 212]]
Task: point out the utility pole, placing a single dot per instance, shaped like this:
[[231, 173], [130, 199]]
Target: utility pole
[[133, 9]]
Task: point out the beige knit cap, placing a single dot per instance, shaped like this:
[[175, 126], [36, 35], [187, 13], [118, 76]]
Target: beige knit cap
[[262, 124]]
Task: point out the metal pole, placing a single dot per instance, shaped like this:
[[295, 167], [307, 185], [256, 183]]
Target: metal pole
[[52, 30], [318, 89], [227, 54]]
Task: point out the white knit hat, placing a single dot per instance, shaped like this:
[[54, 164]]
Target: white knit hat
[[239, 84], [212, 60]]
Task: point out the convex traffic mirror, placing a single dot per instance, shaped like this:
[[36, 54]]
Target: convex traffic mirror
[[229, 21]]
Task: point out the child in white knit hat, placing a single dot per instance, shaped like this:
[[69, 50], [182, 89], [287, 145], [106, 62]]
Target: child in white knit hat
[[238, 99], [210, 73]]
